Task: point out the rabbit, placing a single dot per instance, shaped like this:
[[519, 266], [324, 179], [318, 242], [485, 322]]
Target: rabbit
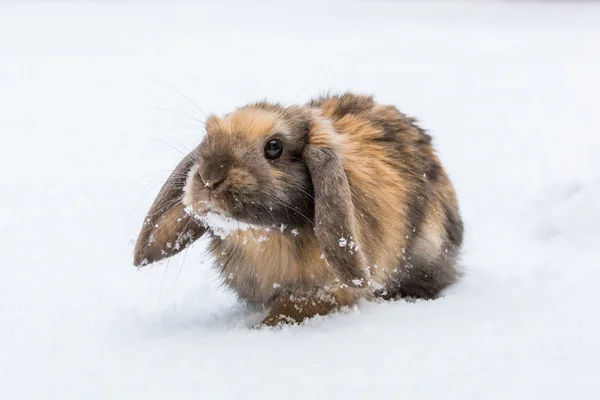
[[310, 208]]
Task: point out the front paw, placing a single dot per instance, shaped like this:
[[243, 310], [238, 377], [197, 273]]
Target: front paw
[[277, 321]]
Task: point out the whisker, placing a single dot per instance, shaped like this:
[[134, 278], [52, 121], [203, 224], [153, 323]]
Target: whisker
[[179, 143], [173, 201], [285, 109], [166, 144], [152, 174], [177, 112], [309, 82], [272, 216], [181, 94], [188, 127], [305, 192], [162, 281], [154, 277], [166, 208], [294, 210], [178, 272], [138, 202]]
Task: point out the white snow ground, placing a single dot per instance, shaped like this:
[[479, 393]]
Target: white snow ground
[[510, 92]]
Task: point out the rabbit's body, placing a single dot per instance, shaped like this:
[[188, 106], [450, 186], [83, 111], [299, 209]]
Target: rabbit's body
[[357, 205]]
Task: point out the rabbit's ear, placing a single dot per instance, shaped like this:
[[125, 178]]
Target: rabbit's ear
[[168, 228], [334, 213]]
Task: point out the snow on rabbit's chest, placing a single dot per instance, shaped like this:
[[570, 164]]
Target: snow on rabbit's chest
[[224, 226]]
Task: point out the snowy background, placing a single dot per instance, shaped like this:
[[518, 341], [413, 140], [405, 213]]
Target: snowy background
[[90, 128]]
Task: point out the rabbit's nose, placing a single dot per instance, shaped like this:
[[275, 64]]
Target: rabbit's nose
[[214, 169], [213, 177], [212, 184]]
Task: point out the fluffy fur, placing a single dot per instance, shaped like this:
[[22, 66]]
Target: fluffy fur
[[357, 206]]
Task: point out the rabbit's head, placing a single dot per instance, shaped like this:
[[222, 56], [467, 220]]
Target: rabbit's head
[[262, 165]]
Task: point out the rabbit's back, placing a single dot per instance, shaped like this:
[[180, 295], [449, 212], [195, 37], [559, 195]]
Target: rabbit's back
[[406, 210]]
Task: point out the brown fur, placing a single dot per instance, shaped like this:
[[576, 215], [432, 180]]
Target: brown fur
[[357, 206]]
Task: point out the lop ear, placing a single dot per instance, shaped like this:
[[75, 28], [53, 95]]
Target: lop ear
[[167, 228], [334, 213]]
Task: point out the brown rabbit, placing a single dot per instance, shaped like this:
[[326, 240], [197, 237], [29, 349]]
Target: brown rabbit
[[326, 203]]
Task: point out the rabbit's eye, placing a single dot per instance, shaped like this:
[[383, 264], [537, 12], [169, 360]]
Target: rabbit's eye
[[273, 149]]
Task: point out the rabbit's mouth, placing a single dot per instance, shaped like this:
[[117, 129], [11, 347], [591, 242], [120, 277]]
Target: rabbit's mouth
[[196, 198], [203, 208], [200, 200]]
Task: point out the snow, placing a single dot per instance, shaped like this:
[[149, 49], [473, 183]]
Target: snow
[[222, 225], [508, 90]]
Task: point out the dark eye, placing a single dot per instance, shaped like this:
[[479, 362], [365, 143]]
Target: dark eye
[[273, 149]]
